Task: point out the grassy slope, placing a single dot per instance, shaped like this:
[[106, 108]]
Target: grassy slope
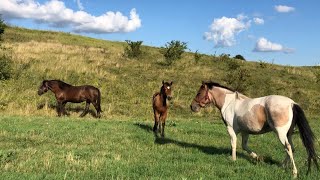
[[80, 148], [36, 144], [127, 85]]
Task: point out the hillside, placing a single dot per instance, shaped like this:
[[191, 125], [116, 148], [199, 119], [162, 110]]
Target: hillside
[[127, 85]]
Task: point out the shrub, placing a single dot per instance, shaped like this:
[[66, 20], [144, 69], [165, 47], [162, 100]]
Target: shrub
[[239, 57], [133, 49], [197, 56], [5, 67], [224, 57], [237, 76], [173, 51], [2, 27]]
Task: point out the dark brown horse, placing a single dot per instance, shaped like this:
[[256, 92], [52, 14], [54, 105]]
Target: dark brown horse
[[76, 94], [160, 107]]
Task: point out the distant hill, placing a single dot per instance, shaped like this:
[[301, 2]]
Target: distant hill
[[127, 84]]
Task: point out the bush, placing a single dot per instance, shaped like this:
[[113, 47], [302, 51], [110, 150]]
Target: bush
[[197, 56], [173, 51], [5, 67], [237, 76], [2, 27], [133, 49], [239, 57], [224, 57]]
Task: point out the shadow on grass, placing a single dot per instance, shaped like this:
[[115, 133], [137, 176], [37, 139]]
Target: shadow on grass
[[205, 149], [76, 109]]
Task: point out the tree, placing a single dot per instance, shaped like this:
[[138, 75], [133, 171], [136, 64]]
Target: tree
[[173, 51], [2, 27], [239, 57], [133, 49]]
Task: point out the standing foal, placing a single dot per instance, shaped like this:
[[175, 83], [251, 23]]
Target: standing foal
[[160, 107]]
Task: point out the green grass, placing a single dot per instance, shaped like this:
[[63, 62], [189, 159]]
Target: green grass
[[80, 148], [35, 144]]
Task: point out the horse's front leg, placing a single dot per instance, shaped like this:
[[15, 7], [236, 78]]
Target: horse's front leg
[[156, 121], [59, 108], [163, 123], [233, 137], [245, 137]]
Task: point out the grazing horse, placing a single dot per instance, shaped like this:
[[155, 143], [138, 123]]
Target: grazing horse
[[76, 94], [245, 115], [160, 107]]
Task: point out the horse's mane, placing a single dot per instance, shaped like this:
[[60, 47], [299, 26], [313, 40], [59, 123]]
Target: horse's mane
[[211, 84], [61, 84]]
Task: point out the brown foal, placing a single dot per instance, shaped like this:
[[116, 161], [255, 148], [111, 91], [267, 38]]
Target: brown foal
[[160, 107]]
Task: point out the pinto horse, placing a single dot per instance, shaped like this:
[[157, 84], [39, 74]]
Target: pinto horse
[[160, 107], [76, 94], [245, 115]]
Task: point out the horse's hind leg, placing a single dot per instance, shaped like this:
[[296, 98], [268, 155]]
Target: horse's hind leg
[[86, 109], [245, 137], [284, 140], [98, 108]]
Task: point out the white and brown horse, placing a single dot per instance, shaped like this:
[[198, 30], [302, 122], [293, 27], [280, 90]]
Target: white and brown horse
[[245, 115]]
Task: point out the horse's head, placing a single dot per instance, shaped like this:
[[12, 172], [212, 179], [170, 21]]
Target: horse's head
[[201, 99], [166, 89], [44, 87]]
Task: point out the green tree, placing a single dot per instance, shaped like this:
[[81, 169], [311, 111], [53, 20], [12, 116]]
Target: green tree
[[133, 49], [5, 60], [197, 56], [239, 57], [2, 27], [173, 51]]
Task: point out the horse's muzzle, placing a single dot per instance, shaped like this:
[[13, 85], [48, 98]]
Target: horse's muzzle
[[169, 97], [40, 93], [195, 107]]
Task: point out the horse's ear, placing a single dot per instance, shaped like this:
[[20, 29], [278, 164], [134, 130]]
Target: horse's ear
[[45, 82], [162, 82], [171, 83]]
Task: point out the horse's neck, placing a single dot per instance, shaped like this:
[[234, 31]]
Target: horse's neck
[[55, 87], [218, 95]]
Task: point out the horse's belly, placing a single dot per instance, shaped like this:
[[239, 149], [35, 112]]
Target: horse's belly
[[252, 127]]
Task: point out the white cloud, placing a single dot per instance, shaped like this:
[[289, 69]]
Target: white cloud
[[79, 4], [283, 9], [223, 30], [258, 21], [54, 13], [264, 45]]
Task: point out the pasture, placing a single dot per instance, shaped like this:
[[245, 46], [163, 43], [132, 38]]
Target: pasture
[[36, 144], [86, 148]]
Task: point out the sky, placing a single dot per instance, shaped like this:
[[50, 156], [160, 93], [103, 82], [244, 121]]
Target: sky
[[284, 32]]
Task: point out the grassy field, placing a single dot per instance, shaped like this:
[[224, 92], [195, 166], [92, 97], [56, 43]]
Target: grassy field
[[75, 148], [35, 144]]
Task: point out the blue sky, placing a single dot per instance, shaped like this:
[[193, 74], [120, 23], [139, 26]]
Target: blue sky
[[282, 32]]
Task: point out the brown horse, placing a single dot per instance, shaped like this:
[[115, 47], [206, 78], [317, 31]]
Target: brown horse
[[160, 107], [76, 94]]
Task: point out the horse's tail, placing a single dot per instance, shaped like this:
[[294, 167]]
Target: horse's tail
[[306, 135]]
